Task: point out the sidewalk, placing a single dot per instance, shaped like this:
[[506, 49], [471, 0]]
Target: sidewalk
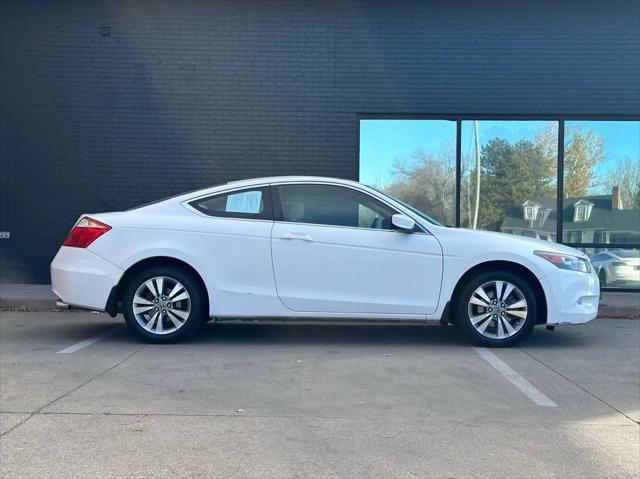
[[28, 296], [40, 296]]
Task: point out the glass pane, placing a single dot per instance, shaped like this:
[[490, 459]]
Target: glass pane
[[602, 182], [509, 177], [245, 202], [237, 204], [617, 268], [333, 205], [412, 160]]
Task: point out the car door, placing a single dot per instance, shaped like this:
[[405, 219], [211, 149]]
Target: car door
[[334, 250], [233, 242]]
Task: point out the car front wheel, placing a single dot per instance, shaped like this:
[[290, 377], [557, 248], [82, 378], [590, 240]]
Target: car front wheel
[[497, 309], [163, 304]]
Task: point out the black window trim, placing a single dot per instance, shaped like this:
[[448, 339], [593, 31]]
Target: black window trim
[[266, 215], [277, 207]]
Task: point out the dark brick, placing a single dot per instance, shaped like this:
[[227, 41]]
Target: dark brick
[[108, 104]]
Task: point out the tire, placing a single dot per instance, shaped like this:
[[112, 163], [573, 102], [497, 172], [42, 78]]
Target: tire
[[497, 323], [171, 316], [602, 276]]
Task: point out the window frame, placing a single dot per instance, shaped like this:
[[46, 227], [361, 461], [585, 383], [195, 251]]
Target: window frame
[[277, 207], [267, 211], [460, 117]]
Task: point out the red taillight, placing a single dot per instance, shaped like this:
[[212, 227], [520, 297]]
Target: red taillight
[[85, 232]]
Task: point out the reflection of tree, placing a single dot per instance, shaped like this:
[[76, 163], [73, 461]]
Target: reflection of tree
[[625, 175], [512, 173], [516, 172], [427, 182], [582, 152]]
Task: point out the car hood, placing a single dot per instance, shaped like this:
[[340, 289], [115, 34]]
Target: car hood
[[510, 242]]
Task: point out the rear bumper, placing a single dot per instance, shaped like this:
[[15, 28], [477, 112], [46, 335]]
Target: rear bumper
[[82, 278], [572, 297], [623, 275]]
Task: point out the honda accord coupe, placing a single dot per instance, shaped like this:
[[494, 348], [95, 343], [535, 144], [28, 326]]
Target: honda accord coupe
[[308, 248]]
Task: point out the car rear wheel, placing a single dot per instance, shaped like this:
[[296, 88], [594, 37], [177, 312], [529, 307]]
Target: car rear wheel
[[163, 304], [497, 308]]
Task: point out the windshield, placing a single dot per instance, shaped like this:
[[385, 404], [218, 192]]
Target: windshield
[[421, 214]]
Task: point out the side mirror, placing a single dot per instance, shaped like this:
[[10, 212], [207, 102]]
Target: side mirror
[[403, 223]]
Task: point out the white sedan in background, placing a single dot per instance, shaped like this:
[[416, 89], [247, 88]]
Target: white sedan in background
[[617, 267], [309, 248]]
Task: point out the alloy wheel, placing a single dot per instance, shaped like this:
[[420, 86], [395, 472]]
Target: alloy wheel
[[497, 310], [161, 305]]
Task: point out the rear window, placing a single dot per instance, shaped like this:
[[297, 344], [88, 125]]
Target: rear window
[[252, 203]]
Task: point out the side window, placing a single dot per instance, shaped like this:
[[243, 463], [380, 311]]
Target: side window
[[333, 205], [250, 204]]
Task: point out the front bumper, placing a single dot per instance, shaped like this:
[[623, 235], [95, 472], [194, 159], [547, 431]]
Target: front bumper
[[572, 297], [81, 278]]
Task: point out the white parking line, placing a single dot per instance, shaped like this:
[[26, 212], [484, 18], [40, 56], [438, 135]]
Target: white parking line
[[88, 342], [518, 381]]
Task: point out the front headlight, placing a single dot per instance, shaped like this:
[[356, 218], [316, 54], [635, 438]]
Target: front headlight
[[565, 261]]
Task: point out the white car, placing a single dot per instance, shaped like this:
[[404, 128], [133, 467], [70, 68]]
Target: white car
[[617, 267], [314, 248]]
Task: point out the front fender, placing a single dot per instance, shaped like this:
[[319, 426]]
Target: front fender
[[457, 265]]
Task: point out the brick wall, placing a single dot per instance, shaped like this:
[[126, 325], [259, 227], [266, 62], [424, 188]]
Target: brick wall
[[105, 105]]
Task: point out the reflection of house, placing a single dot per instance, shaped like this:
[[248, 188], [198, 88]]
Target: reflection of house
[[587, 219]]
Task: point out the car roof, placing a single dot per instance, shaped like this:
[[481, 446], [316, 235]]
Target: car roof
[[264, 181], [233, 185], [289, 179]]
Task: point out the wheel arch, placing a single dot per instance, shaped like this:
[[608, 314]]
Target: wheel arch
[[114, 302], [513, 268]]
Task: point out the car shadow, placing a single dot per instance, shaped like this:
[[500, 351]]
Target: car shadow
[[369, 334], [372, 334], [564, 337]]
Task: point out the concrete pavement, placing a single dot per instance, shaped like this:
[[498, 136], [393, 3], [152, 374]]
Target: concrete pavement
[[328, 401]]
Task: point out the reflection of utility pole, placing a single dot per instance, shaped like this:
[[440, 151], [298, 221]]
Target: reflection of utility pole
[[477, 206]]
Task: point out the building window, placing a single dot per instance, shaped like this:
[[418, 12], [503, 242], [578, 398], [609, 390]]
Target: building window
[[531, 210], [508, 176], [413, 160], [582, 211], [602, 181]]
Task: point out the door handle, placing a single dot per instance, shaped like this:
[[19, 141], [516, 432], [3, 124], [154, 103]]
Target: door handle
[[293, 236]]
